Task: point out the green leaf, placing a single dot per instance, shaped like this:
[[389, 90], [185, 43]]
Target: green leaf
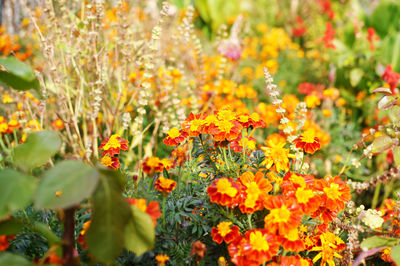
[[381, 144], [16, 191], [111, 213], [379, 241], [396, 155], [11, 226], [356, 76], [139, 233], [18, 74], [8, 258], [385, 17], [38, 148], [395, 254], [73, 181]]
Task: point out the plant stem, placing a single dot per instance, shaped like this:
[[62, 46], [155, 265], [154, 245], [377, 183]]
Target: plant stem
[[69, 237]]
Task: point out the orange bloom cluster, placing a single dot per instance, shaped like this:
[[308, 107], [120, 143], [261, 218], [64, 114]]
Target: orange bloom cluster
[[81, 237], [111, 147], [223, 125], [152, 208], [301, 196], [155, 164], [8, 128], [391, 213], [164, 185]]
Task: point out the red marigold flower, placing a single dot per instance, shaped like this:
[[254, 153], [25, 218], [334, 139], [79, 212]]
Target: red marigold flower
[[371, 38], [254, 248], [308, 141], [164, 184], [162, 259], [300, 29], [4, 242], [329, 36], [113, 145], [391, 77], [224, 191], [111, 162], [225, 130], [284, 215], [225, 232], [152, 164], [152, 209], [254, 188], [13, 124], [58, 124], [175, 137]]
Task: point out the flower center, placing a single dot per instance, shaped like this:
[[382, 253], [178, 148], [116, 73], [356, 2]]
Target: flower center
[[225, 126], [106, 160], [280, 215], [258, 241], [308, 136], [304, 195], [225, 187], [194, 124], [113, 142], [224, 228], [173, 133], [332, 192]]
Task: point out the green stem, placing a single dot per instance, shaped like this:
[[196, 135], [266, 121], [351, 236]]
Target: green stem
[[163, 209], [376, 195], [249, 221], [207, 154]]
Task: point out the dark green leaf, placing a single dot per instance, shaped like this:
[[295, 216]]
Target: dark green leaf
[[73, 181], [139, 233], [111, 213], [16, 191], [8, 258], [38, 148], [11, 226], [18, 74]]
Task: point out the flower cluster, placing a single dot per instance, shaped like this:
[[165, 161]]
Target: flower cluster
[[111, 147], [223, 125]]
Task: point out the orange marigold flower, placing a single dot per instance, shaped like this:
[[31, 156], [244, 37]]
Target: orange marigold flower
[[254, 248], [152, 209], [284, 215], [249, 143], [152, 164], [225, 232], [58, 124], [113, 145], [225, 130], [165, 185], [13, 124], [385, 256], [162, 259], [111, 162], [254, 188], [224, 191], [53, 258], [294, 261], [308, 141], [175, 137], [3, 243], [3, 127], [292, 241], [193, 125], [336, 192]]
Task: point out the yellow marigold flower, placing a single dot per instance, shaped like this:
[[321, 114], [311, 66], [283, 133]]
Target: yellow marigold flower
[[85, 227], [331, 93], [3, 127], [7, 98], [326, 112], [312, 101], [277, 156]]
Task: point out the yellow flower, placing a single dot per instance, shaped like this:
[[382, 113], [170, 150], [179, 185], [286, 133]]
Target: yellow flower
[[277, 156], [312, 101]]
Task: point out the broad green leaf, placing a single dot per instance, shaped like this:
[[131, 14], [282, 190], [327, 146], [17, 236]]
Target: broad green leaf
[[16, 191], [356, 76], [11, 226], [38, 148], [385, 17], [17, 74], [396, 155], [111, 213], [66, 184], [381, 144], [8, 258], [139, 233], [395, 254], [379, 241]]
